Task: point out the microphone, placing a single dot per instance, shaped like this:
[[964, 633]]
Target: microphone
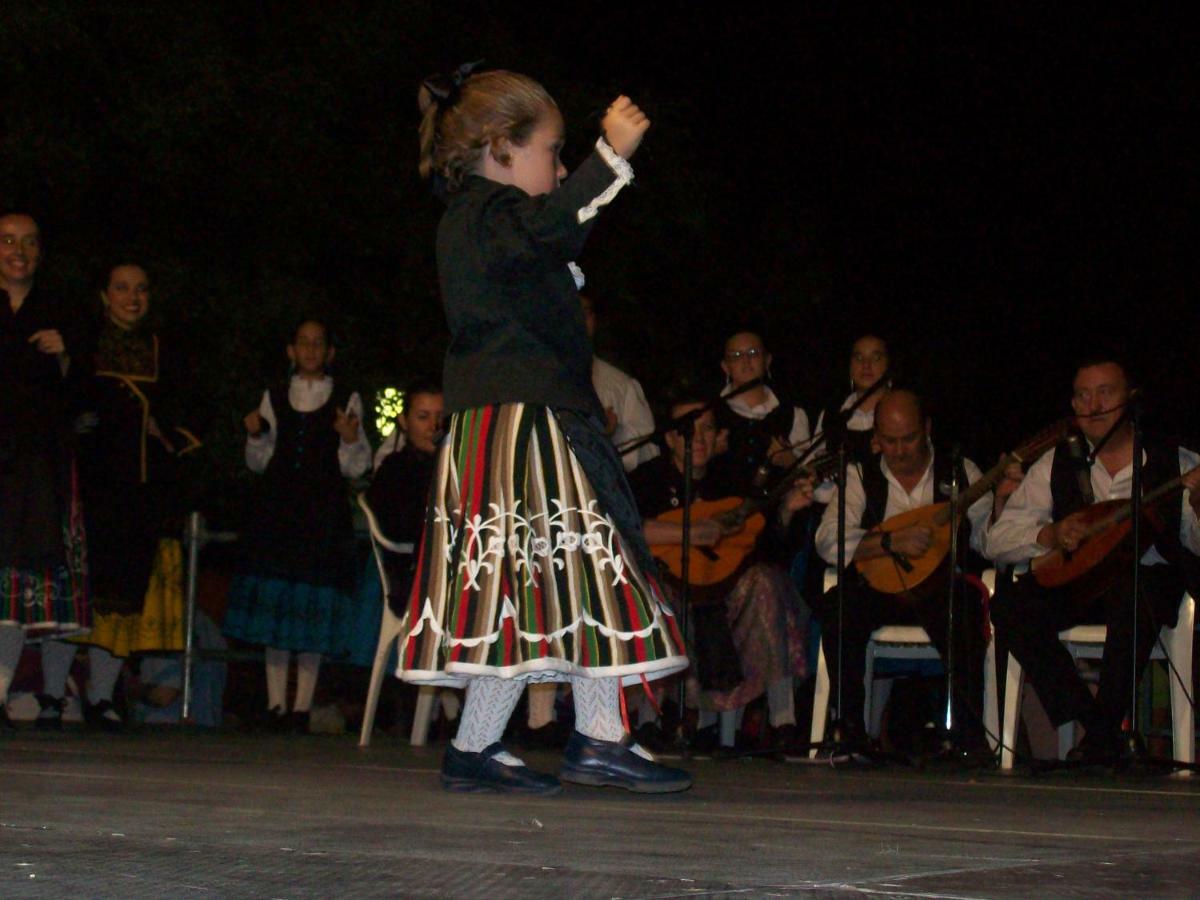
[[946, 485], [1079, 463]]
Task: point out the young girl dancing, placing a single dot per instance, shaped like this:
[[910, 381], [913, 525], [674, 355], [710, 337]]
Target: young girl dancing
[[305, 438], [532, 566]]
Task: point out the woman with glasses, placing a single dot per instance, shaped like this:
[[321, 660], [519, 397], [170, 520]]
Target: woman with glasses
[[762, 428]]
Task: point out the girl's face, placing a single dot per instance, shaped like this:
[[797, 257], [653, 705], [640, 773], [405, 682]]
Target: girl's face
[[535, 166], [310, 352], [422, 422], [868, 362], [745, 358], [127, 296]]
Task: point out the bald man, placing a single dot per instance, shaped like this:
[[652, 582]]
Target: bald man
[[905, 473]]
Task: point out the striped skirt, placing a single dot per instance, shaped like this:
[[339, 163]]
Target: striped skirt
[[521, 572]]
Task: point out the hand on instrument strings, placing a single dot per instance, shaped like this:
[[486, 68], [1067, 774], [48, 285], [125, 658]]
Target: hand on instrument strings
[[624, 126], [706, 532], [912, 541], [610, 420], [1068, 533], [254, 423], [1191, 482], [48, 340], [346, 426], [1013, 473], [798, 497], [780, 453]]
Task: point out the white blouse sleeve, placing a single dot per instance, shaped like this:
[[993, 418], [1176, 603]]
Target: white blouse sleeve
[[260, 448], [354, 459], [1189, 527]]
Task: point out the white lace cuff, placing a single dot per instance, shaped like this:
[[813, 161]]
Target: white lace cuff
[[621, 169], [577, 274]]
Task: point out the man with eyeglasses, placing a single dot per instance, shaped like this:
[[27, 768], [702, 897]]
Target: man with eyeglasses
[[1045, 513]]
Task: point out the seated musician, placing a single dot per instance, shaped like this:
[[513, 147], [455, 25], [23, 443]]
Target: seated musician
[[761, 426], [1047, 513], [854, 418], [755, 614], [907, 474]]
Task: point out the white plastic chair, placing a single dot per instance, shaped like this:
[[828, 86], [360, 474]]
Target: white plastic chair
[[1087, 642], [897, 642], [389, 631]]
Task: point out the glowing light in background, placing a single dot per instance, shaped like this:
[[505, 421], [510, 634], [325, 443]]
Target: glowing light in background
[[389, 403]]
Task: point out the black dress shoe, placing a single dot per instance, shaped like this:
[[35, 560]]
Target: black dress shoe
[[1099, 748], [299, 722], [277, 721], [6, 724], [104, 717], [614, 764], [470, 773], [50, 718]]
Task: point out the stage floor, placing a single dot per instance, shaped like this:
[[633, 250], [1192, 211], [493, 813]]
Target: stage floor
[[223, 815]]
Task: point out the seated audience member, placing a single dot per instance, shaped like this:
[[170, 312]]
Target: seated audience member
[[1046, 515]]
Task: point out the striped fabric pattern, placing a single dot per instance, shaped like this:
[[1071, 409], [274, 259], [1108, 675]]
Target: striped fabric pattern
[[520, 572], [52, 600]]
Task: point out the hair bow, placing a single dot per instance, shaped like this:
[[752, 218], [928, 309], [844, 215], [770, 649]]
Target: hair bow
[[444, 89]]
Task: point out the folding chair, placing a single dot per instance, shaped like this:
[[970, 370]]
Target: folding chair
[[389, 632], [910, 642], [1087, 642]]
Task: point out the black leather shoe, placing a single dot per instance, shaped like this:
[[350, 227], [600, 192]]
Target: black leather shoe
[[50, 718], [470, 773], [614, 764], [104, 717], [6, 724], [1099, 749]]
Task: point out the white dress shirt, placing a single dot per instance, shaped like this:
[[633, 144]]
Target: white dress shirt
[[898, 500], [1013, 538], [623, 395], [306, 395]]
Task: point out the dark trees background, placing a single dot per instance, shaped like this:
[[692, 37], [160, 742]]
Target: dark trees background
[[992, 191]]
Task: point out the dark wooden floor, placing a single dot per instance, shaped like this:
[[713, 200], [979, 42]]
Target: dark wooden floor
[[215, 815]]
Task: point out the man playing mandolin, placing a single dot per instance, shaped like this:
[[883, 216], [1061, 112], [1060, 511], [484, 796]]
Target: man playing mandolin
[[748, 626], [1053, 520], [905, 477]]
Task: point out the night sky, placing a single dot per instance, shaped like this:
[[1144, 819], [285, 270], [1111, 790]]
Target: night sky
[[993, 192]]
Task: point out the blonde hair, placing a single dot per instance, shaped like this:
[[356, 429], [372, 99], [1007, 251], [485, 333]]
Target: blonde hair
[[487, 106]]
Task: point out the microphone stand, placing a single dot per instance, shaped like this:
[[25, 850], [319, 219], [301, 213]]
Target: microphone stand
[[948, 743], [1135, 744], [685, 425]]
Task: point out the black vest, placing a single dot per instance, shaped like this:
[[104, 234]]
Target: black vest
[[306, 444], [1162, 465], [875, 486], [749, 440]]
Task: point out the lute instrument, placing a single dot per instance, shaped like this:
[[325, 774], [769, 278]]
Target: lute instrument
[[741, 520], [897, 574], [1108, 525]]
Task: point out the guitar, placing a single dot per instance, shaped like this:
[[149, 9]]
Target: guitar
[[890, 575], [741, 521], [1108, 525]]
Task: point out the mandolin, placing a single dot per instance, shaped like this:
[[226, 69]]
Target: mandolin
[[741, 521], [1108, 525], [890, 575]]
